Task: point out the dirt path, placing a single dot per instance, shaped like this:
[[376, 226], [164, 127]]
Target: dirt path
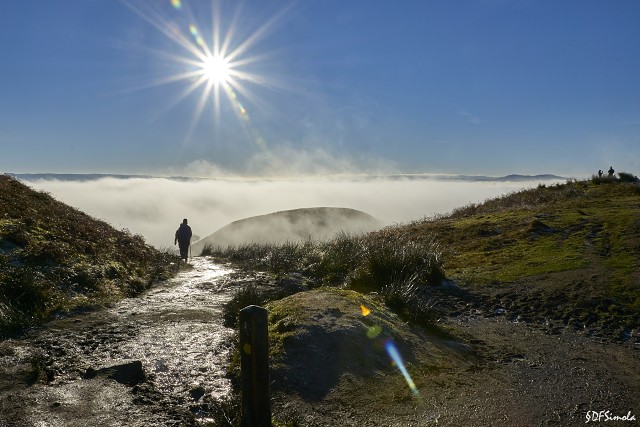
[[533, 377], [166, 350]]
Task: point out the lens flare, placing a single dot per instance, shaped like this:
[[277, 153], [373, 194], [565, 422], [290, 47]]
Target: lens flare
[[365, 310], [394, 354], [177, 4], [374, 331]]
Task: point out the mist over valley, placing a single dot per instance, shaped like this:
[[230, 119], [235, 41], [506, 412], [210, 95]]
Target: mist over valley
[[153, 207]]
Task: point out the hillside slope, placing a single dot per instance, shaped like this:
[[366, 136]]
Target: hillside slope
[[290, 225], [54, 258], [567, 254], [329, 368]]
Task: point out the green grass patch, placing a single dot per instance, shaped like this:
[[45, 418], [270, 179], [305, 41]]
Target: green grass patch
[[504, 241], [282, 325]]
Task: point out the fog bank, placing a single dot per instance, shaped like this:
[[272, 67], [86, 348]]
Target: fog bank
[[154, 207]]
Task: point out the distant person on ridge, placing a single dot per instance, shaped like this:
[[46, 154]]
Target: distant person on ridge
[[600, 173], [611, 171], [183, 237]]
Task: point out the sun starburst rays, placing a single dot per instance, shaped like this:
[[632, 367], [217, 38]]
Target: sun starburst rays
[[219, 65]]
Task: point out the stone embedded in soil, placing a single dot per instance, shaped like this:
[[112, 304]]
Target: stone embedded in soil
[[197, 392], [538, 227], [129, 374]]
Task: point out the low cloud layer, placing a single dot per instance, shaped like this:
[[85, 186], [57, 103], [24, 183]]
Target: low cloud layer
[[285, 161], [154, 207]]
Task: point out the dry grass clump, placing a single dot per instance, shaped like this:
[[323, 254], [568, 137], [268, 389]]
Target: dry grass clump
[[384, 262], [361, 262]]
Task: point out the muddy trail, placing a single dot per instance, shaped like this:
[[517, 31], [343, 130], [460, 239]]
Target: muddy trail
[[157, 359]]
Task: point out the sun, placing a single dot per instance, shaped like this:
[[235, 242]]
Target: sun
[[216, 69], [216, 62]]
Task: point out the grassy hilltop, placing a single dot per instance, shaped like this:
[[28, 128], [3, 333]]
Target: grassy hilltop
[[293, 224], [569, 252], [54, 259]]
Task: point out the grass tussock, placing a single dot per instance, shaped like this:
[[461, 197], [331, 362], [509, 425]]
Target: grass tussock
[[244, 297], [383, 262], [360, 262], [55, 259]]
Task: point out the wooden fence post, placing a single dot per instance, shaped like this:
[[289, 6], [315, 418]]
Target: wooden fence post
[[254, 366]]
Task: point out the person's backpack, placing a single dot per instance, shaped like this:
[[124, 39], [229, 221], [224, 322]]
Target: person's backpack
[[184, 232]]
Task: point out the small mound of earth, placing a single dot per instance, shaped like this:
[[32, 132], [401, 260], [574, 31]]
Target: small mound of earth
[[329, 360]]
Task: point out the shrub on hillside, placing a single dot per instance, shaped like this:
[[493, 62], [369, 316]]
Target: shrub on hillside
[[410, 300], [622, 177], [392, 259], [604, 179], [627, 177], [244, 297]]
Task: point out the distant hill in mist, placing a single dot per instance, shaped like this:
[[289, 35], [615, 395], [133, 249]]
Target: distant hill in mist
[[417, 176], [71, 176], [507, 178], [292, 225]]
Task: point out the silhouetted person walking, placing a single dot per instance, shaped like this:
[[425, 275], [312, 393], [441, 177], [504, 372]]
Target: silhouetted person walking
[[611, 171], [183, 238]]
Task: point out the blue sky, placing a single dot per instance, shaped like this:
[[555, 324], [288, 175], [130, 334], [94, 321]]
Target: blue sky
[[436, 86]]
